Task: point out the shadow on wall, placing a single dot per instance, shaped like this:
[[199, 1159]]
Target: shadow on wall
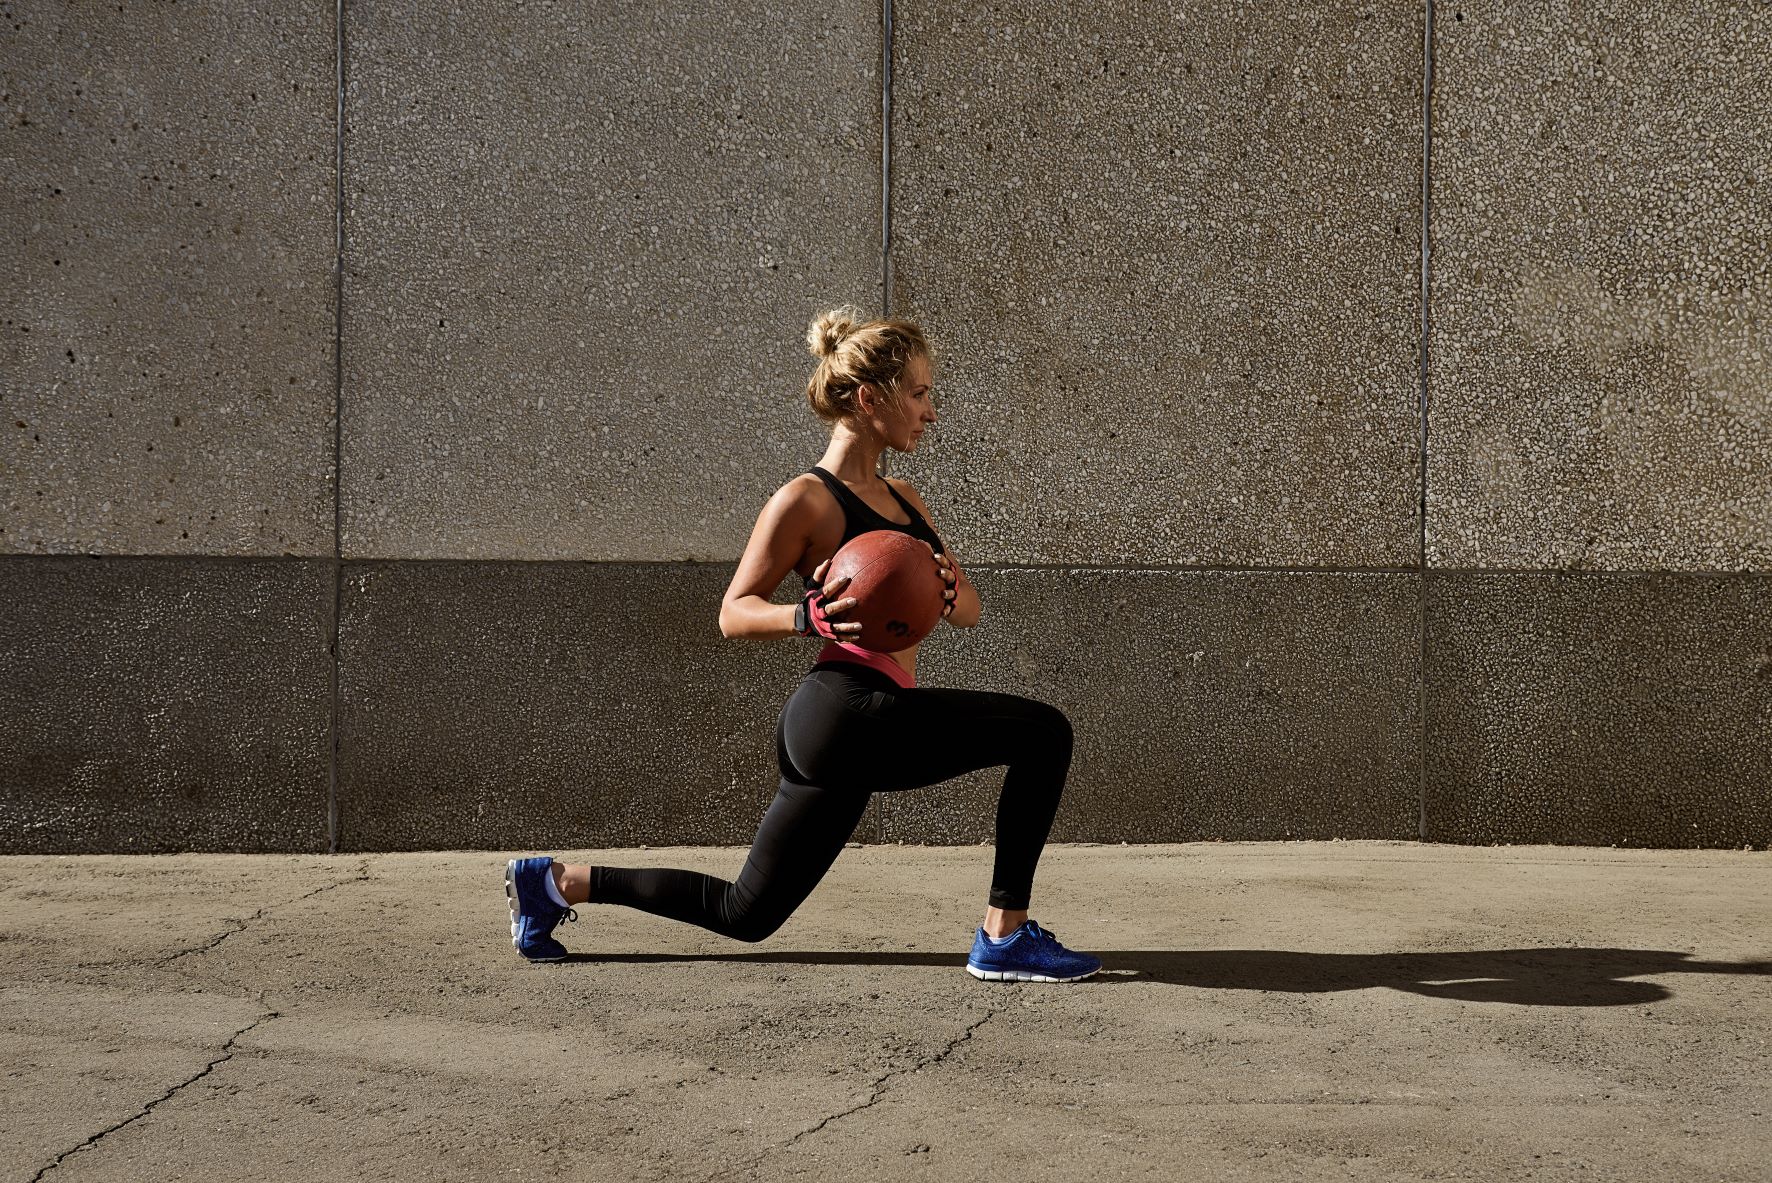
[[1525, 977]]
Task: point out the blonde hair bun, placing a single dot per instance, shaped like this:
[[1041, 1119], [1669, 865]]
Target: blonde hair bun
[[827, 330]]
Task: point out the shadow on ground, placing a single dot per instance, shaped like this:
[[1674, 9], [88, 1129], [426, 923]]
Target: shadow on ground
[[1526, 977]]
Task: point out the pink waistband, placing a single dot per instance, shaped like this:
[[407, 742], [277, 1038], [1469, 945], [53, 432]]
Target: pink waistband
[[843, 651]]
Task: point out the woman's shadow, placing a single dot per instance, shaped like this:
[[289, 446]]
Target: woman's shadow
[[1526, 977]]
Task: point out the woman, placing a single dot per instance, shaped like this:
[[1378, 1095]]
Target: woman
[[858, 723]]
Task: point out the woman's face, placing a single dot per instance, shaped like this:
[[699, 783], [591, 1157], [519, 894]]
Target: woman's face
[[901, 423]]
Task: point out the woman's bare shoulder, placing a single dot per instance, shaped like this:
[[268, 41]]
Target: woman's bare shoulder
[[802, 489], [803, 497]]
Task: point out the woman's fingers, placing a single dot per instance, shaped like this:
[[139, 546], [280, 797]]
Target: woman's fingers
[[843, 628], [818, 571], [835, 586]]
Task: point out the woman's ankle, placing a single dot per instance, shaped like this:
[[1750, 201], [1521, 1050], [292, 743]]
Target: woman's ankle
[[1000, 922], [574, 883]]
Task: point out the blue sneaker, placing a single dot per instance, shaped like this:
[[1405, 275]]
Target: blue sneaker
[[1029, 954], [533, 911]]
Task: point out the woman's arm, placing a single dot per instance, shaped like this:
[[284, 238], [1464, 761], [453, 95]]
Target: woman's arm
[[778, 543], [967, 608]]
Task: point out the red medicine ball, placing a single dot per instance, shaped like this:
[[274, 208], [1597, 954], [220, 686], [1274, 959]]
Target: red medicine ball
[[898, 589]]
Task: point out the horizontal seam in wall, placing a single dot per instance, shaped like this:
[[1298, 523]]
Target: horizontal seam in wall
[[1125, 568]]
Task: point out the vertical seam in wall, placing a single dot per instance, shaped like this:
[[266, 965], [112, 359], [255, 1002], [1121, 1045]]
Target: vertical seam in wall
[[879, 806], [338, 320], [885, 157], [1427, 137]]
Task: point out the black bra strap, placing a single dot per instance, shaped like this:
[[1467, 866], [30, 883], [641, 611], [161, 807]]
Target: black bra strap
[[852, 502], [908, 507]]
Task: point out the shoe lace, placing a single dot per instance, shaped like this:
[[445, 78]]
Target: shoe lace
[[567, 915]]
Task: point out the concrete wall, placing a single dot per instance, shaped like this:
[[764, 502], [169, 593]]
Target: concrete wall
[[437, 564]]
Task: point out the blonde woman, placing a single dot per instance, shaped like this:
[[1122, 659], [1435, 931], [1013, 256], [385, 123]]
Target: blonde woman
[[858, 723]]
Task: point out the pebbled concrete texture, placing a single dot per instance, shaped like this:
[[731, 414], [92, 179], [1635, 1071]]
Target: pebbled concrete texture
[[1220, 705], [498, 704], [1295, 1011], [1603, 709], [1170, 262], [584, 249], [1600, 362], [164, 704], [166, 328]]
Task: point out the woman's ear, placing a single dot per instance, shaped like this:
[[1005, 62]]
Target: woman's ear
[[866, 399]]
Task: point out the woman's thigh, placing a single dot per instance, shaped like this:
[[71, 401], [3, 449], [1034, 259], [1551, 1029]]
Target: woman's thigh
[[908, 739], [801, 835], [955, 732]]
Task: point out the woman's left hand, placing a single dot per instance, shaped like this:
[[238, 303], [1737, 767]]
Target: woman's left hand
[[949, 576]]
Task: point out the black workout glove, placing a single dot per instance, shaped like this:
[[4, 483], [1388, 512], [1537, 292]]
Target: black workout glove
[[809, 617]]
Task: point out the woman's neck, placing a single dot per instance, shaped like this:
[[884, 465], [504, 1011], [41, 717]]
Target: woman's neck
[[852, 457]]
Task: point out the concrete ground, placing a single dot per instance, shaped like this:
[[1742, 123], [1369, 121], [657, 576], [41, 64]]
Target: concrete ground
[[1358, 1010]]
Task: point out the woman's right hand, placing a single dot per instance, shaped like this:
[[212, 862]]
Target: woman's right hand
[[822, 609]]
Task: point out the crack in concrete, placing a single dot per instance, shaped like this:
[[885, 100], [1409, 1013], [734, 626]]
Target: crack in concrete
[[228, 1054], [879, 1091], [241, 924], [879, 1086]]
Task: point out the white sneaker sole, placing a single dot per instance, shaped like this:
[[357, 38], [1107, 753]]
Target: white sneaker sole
[[511, 899], [1021, 975]]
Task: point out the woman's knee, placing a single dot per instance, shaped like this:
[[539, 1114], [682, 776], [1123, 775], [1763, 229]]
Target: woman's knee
[[1050, 725], [751, 929], [752, 917]]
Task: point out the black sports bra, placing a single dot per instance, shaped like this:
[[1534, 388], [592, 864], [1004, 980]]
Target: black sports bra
[[859, 517]]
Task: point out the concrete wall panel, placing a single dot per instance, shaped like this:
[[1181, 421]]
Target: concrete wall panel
[[533, 705], [585, 245], [166, 346], [1601, 358], [1630, 710], [1205, 705], [1171, 261], [160, 704]]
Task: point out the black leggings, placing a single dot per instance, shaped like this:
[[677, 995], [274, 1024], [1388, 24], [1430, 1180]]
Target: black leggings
[[849, 731]]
